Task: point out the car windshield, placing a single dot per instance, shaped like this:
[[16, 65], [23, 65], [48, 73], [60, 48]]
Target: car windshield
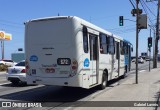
[[20, 64]]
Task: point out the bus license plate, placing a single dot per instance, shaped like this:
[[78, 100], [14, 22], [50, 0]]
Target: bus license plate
[[50, 70]]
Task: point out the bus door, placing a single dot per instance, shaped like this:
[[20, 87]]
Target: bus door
[[122, 59], [117, 58], [93, 40], [114, 61]]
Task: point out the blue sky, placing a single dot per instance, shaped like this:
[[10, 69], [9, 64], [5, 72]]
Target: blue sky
[[103, 13]]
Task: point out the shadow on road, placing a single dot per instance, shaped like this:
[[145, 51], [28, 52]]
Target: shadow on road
[[45, 94]]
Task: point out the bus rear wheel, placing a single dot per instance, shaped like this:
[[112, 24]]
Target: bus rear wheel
[[104, 82]]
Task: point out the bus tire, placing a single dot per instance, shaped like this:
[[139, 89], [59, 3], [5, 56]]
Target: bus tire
[[125, 72], [104, 81], [126, 69]]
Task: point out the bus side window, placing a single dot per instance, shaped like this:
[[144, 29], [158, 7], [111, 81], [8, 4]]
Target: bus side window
[[122, 48], [111, 48], [85, 40], [127, 49], [117, 50], [103, 44], [125, 46]]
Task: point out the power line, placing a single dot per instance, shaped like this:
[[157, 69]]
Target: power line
[[146, 12], [10, 22], [148, 8], [132, 3], [10, 25], [154, 3], [121, 31], [120, 27]]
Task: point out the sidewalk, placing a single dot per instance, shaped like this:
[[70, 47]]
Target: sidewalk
[[147, 89]]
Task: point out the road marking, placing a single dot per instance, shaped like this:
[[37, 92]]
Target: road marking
[[68, 108], [142, 71], [4, 83], [138, 71], [132, 71]]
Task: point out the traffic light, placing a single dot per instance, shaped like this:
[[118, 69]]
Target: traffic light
[[120, 20], [149, 42]]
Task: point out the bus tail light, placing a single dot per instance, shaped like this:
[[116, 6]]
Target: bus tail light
[[74, 67], [23, 71], [27, 67]]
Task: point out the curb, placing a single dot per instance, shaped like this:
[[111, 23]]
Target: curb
[[158, 101]]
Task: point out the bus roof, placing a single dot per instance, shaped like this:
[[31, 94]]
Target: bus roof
[[82, 21], [127, 42]]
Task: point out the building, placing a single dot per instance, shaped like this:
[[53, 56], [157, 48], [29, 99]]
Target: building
[[17, 57]]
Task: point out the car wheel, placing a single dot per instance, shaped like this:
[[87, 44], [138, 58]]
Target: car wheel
[[15, 82]]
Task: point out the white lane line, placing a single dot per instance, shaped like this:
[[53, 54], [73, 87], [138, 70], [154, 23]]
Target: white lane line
[[68, 108], [4, 83], [138, 71], [142, 71], [132, 71]]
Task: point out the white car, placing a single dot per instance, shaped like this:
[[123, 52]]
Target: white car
[[140, 60], [17, 73], [8, 62]]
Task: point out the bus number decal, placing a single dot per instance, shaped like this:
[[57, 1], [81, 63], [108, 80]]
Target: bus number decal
[[63, 61]]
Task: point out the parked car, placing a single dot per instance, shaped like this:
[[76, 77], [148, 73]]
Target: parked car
[[17, 73], [140, 60], [8, 62]]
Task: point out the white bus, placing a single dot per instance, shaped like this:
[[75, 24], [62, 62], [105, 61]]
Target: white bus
[[69, 51]]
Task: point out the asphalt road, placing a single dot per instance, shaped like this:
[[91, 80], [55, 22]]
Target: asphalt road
[[54, 96], [145, 65]]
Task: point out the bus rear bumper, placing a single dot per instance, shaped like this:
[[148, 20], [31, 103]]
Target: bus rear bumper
[[75, 81]]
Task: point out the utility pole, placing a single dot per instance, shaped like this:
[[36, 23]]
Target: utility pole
[[157, 37], [137, 15], [141, 23], [154, 39]]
